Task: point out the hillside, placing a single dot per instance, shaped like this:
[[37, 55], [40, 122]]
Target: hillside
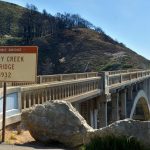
[[80, 50], [9, 16], [66, 46]]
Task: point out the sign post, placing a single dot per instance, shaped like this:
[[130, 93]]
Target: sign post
[[4, 112], [17, 64]]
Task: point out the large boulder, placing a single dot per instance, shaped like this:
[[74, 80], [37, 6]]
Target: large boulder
[[56, 121], [128, 127]]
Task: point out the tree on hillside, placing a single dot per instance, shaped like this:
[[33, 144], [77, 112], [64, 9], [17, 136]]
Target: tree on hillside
[[30, 24], [2, 31], [5, 24], [48, 23], [99, 30], [67, 20], [9, 20], [34, 24]]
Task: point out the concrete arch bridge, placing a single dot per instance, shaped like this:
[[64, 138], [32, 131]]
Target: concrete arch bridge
[[101, 98]]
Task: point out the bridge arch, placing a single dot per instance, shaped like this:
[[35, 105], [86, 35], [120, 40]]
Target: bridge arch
[[141, 107]]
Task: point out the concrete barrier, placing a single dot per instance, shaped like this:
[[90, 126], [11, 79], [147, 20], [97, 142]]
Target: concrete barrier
[[13, 105]]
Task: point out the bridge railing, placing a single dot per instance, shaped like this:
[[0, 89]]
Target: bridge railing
[[62, 77], [38, 94], [125, 77], [123, 71], [69, 89], [54, 78]]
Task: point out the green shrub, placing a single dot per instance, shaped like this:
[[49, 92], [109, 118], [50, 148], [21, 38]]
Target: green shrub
[[111, 142], [111, 66], [127, 66]]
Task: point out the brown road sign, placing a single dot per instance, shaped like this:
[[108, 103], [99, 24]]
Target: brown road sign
[[18, 63]]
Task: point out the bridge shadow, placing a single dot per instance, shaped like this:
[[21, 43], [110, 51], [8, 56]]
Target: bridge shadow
[[42, 146]]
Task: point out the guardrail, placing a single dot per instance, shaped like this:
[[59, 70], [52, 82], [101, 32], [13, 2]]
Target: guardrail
[[114, 79]]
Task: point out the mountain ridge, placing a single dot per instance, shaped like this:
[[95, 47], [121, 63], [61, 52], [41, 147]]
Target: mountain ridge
[[65, 47]]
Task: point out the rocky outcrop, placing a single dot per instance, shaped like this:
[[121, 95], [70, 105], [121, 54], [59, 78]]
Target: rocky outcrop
[[56, 121], [127, 127], [59, 121]]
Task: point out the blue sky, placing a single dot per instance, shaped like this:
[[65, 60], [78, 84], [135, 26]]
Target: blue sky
[[127, 21]]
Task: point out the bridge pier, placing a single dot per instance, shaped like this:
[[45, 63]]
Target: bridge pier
[[115, 107], [129, 100], [130, 93], [103, 109], [123, 109], [134, 91], [93, 113], [89, 111], [145, 86], [85, 110]]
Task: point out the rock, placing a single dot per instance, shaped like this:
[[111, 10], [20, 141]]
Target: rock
[[59, 121], [128, 127], [56, 121]]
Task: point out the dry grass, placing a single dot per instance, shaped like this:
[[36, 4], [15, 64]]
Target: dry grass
[[12, 137], [16, 135]]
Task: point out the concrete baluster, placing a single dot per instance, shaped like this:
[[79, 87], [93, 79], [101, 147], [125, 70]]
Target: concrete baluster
[[34, 98], [29, 99]]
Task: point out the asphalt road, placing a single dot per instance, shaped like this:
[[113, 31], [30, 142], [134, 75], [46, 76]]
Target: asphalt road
[[29, 147]]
